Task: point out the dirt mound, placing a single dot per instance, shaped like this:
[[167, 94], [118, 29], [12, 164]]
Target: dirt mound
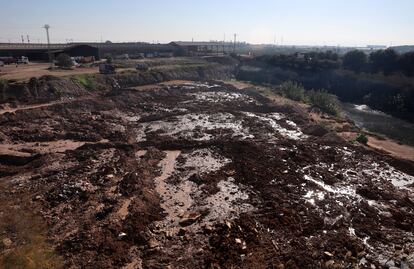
[[42, 89]]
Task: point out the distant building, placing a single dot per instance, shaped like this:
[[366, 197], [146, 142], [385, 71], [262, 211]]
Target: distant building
[[200, 48], [39, 52]]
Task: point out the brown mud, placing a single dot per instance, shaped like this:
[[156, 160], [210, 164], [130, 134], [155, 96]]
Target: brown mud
[[202, 175]]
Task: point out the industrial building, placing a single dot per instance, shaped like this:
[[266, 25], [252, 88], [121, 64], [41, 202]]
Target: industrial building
[[39, 52], [199, 48]]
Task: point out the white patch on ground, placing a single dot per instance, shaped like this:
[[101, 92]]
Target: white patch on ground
[[310, 196], [389, 173], [271, 118], [222, 205], [193, 85], [181, 197], [217, 97], [348, 191], [203, 161], [194, 127]]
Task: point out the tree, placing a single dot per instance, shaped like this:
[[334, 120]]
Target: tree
[[354, 60], [406, 63], [384, 60], [64, 60]]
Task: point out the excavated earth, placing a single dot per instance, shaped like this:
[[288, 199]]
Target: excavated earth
[[202, 175]]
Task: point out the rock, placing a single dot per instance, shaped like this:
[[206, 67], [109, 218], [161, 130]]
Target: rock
[[328, 254], [238, 241], [189, 219], [121, 235], [329, 263], [228, 224], [7, 242], [153, 243]]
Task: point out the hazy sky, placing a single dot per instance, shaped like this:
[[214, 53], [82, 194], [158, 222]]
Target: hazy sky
[[301, 22]]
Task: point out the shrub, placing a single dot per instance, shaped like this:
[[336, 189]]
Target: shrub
[[293, 90], [328, 103], [64, 60], [361, 138], [109, 59], [85, 80]]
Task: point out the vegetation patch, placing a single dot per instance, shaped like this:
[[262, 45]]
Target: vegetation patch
[[293, 90], [64, 61], [86, 80], [361, 138], [326, 102]]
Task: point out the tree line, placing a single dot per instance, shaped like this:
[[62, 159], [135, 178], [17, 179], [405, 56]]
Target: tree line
[[381, 61], [386, 61]]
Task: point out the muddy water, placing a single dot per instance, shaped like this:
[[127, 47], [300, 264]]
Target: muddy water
[[380, 123], [172, 196]]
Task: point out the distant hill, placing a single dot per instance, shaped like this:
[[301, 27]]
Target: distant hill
[[403, 49]]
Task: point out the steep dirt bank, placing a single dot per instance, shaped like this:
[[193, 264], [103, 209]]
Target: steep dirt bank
[[48, 88], [199, 175]]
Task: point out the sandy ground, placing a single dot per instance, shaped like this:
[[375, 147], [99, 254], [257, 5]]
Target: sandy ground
[[385, 145], [27, 71]]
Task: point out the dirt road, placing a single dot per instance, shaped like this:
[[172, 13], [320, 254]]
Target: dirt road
[[199, 175], [27, 71]]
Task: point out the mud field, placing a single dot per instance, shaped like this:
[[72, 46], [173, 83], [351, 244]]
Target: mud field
[[200, 175]]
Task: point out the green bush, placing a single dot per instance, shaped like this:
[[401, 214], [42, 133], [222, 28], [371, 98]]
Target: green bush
[[361, 138], [328, 103], [293, 90], [85, 80]]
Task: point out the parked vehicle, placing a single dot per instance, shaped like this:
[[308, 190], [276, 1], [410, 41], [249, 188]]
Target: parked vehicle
[[142, 67], [74, 62], [23, 60], [84, 59], [106, 69]]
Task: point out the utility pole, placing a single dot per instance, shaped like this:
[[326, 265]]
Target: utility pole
[[234, 45], [48, 44]]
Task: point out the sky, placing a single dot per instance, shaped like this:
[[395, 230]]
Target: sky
[[287, 22]]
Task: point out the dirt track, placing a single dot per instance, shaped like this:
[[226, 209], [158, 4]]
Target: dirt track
[[27, 71], [202, 175]]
